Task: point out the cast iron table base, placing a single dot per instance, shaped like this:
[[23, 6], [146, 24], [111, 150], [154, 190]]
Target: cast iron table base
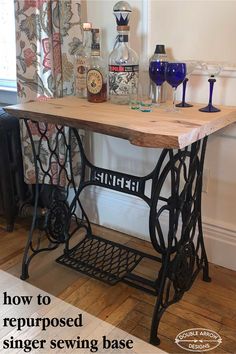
[[175, 223]]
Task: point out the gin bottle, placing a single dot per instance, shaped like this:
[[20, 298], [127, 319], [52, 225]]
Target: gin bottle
[[123, 61], [97, 72], [81, 62]]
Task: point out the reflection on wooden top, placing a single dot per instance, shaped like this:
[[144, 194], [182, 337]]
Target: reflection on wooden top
[[159, 128]]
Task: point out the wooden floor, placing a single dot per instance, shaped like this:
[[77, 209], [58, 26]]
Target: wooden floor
[[206, 305]]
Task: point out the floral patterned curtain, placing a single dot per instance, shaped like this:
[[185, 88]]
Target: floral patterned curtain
[[48, 32]]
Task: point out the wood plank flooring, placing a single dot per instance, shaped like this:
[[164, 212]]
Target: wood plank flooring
[[91, 331], [207, 305]]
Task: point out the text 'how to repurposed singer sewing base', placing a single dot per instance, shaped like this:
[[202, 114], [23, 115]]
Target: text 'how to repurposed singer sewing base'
[[176, 185]]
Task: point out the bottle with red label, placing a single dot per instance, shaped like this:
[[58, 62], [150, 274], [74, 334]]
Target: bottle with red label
[[123, 61]]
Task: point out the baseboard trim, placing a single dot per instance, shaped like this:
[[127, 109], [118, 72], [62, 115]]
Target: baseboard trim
[[220, 241], [129, 214]]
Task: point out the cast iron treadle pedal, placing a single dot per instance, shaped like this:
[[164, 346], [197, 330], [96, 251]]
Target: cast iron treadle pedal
[[102, 259]]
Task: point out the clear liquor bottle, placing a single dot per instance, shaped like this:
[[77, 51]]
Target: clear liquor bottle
[[123, 61], [97, 72], [81, 62]]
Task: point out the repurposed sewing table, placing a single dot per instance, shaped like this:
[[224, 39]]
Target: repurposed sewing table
[[176, 184]]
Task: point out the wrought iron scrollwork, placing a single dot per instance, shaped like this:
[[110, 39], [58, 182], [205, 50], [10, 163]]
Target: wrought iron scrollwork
[[175, 224], [57, 219], [182, 267]]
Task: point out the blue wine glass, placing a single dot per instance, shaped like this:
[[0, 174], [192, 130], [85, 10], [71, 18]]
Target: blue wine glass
[[175, 75], [157, 73], [191, 65]]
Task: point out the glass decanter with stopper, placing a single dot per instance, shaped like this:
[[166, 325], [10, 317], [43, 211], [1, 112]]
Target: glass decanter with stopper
[[81, 62], [97, 72], [123, 61]]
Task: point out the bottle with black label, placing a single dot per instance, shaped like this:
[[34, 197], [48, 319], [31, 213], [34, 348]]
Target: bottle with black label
[[123, 61], [81, 62], [97, 73]]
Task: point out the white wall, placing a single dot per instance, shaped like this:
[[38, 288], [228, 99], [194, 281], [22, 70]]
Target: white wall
[[202, 30], [198, 29]]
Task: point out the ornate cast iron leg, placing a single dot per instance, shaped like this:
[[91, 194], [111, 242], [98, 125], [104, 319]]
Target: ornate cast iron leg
[[26, 257], [181, 246], [54, 182]]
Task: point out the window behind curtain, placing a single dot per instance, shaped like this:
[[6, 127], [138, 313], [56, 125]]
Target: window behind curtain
[[7, 45]]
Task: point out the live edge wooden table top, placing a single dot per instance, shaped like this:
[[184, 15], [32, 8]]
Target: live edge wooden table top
[[157, 129]]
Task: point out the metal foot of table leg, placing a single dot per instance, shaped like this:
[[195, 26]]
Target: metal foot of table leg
[[25, 273], [155, 340], [205, 276]]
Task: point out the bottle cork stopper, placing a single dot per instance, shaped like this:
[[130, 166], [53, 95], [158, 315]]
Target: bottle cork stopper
[[87, 26]]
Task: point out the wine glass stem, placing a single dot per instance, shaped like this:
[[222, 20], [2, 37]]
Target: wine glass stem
[[184, 89], [159, 94], [174, 97], [211, 82], [152, 91]]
